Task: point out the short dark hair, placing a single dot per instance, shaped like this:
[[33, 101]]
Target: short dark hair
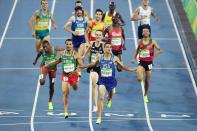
[[78, 8], [67, 40], [99, 10], [78, 1], [45, 42], [106, 44], [42, 1]]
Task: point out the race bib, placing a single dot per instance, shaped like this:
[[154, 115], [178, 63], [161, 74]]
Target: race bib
[[80, 30], [42, 23], [145, 54], [106, 72], [93, 57], [69, 68], [116, 41], [145, 20]]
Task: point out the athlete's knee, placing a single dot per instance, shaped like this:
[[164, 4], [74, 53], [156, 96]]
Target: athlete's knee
[[51, 87], [75, 87], [42, 81], [139, 78]]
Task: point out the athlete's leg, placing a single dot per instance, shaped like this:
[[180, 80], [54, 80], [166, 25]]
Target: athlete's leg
[[140, 73], [65, 92], [43, 74], [52, 77], [102, 91], [38, 45], [47, 38], [147, 82], [94, 77]]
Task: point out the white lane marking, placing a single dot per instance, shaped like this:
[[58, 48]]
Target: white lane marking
[[38, 83], [60, 114], [8, 113], [90, 84], [182, 48], [175, 116], [121, 115], [8, 23], [86, 121], [142, 83]]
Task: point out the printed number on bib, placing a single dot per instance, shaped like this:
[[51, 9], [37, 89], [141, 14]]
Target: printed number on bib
[[116, 41], [93, 57], [145, 54], [106, 72], [43, 24], [69, 68], [80, 30]]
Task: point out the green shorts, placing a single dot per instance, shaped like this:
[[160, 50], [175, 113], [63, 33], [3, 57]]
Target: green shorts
[[40, 34]]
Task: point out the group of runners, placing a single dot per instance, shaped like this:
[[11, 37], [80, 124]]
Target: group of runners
[[102, 40]]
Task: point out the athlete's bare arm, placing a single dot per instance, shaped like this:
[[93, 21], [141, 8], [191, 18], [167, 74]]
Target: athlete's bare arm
[[93, 64], [53, 21], [121, 19], [31, 21], [124, 67], [153, 13], [68, 24], [135, 55], [123, 36], [156, 45]]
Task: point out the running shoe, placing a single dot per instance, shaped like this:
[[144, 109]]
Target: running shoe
[[98, 121], [50, 105], [146, 99], [65, 115], [109, 103]]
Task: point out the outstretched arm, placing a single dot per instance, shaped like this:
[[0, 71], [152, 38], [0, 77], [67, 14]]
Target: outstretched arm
[[31, 21], [124, 67], [53, 22]]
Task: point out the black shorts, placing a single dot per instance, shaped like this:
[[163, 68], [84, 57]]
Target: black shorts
[[94, 69], [147, 65], [117, 52], [140, 29]]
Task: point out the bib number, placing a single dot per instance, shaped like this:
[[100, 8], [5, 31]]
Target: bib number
[[116, 41], [80, 30], [43, 24], [69, 68], [106, 72], [145, 54], [93, 57]]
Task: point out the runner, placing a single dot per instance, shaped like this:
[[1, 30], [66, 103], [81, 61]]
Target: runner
[[107, 80], [49, 55], [116, 38], [86, 14], [94, 25], [143, 14], [77, 25], [41, 31], [107, 16], [70, 60], [95, 49], [145, 50]]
